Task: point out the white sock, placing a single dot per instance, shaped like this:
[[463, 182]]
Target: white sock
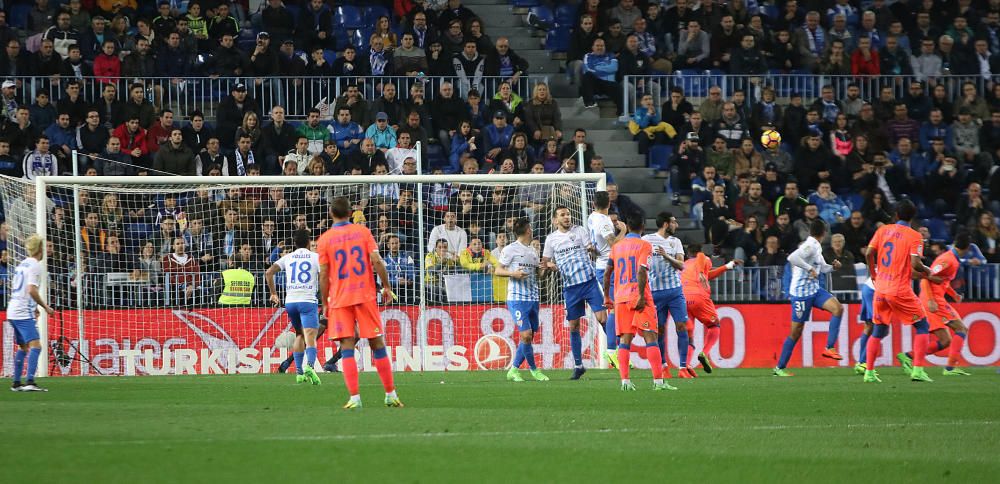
[[355, 398], [391, 394], [626, 380], [658, 381]]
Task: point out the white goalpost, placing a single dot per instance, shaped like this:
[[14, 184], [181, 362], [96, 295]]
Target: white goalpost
[[135, 266]]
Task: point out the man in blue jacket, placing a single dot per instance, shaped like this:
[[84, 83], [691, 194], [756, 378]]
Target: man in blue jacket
[[599, 71], [62, 138], [345, 132]]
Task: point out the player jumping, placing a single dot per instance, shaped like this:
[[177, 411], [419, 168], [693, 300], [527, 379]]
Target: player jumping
[[519, 262], [665, 268], [21, 308], [807, 264], [636, 313], [865, 316], [893, 255], [348, 258], [940, 314], [603, 237], [569, 247], [698, 295], [301, 283]]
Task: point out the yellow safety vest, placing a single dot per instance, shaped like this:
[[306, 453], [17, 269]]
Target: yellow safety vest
[[237, 287]]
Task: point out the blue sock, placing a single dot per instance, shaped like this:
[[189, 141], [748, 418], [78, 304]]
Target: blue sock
[[298, 361], [786, 352], [682, 347], [528, 354], [19, 365], [518, 356], [576, 344], [863, 355], [609, 332], [33, 362], [661, 342], [834, 333], [311, 356]]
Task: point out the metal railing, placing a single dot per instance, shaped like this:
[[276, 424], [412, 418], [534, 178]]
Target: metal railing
[[297, 94], [696, 86], [745, 285]]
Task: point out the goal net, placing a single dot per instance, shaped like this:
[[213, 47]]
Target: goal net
[[135, 267]]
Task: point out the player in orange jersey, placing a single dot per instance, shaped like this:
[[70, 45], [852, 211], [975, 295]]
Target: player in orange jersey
[[893, 255], [698, 294], [940, 314], [628, 264], [349, 260]]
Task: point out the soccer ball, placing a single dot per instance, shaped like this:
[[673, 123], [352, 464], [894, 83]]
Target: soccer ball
[[284, 341], [770, 139]]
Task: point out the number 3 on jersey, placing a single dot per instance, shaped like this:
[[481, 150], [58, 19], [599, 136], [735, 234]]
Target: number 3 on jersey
[[360, 268], [887, 251]]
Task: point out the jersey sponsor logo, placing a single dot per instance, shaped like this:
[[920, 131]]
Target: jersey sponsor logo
[[493, 352]]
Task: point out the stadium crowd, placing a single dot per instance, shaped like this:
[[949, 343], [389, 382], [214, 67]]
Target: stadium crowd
[[80, 76]]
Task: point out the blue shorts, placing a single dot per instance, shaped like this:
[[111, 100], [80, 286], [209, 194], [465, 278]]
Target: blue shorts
[[670, 301], [802, 306], [25, 331], [581, 294], [867, 296], [600, 282], [303, 315], [525, 314]]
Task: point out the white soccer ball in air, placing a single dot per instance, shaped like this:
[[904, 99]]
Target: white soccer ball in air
[[284, 341]]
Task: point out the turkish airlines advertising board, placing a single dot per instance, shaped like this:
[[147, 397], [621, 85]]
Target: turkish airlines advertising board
[[451, 338]]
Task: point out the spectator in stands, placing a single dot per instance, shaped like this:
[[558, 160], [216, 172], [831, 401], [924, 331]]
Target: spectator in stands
[[382, 133], [353, 100], [181, 269], [965, 132], [14, 62], [937, 127], [390, 105], [832, 209], [469, 66], [599, 71], [439, 61], [91, 137], [62, 34], [694, 47], [875, 209], [447, 111], [222, 23], [497, 136], [902, 125], [243, 157], [747, 58], [139, 107], [844, 278], [401, 268], [62, 138], [22, 133], [790, 202], [894, 60], [111, 110], [408, 59], [747, 161], [74, 67], [175, 157], [315, 27], [113, 162], [748, 240], [133, 138], [108, 64], [972, 204], [972, 101], [368, 157], [945, 182], [227, 59], [40, 162], [279, 20], [581, 41], [402, 150], [439, 262], [9, 166], [621, 204], [986, 235], [520, 153], [718, 217], [634, 62], [507, 101], [913, 165], [345, 132], [476, 259], [462, 143], [423, 34], [676, 111], [771, 254], [212, 156], [148, 266], [927, 66], [477, 112], [505, 63], [201, 241], [455, 238], [857, 232], [454, 10], [786, 234], [753, 204], [139, 63], [158, 133]]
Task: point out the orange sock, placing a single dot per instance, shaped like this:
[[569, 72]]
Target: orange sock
[[623, 356], [350, 369], [955, 349], [384, 369], [933, 346], [641, 351], [920, 350], [653, 355], [711, 338]]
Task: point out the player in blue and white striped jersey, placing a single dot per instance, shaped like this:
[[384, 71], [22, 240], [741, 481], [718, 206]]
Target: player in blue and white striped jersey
[[568, 249], [665, 266], [519, 262], [301, 302], [603, 236], [865, 317], [24, 301], [805, 293]]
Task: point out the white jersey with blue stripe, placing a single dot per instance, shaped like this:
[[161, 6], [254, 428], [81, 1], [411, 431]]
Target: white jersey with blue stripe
[[21, 306], [569, 250], [809, 253], [870, 283], [601, 228], [519, 257], [301, 276], [662, 275]]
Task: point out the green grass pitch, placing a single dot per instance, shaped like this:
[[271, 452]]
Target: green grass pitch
[[823, 425]]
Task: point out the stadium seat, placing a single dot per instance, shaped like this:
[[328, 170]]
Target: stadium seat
[[854, 201], [938, 228], [435, 157], [348, 17], [19, 15], [541, 18], [294, 10], [770, 11], [694, 82], [360, 39], [557, 40], [566, 15], [524, 3], [659, 156], [373, 12], [329, 56]]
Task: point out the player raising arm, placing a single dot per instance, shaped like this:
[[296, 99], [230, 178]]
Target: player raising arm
[[568, 250], [665, 266], [348, 258], [629, 265], [940, 314], [893, 254], [301, 285], [698, 295], [603, 237], [519, 262], [21, 308], [807, 264]]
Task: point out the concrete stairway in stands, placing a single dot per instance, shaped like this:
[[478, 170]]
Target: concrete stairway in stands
[[612, 141]]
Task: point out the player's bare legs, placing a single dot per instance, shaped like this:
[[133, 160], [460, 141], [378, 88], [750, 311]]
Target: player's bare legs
[[836, 311]]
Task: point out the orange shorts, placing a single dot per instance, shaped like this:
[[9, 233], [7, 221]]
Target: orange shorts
[[939, 319], [630, 321], [360, 320], [902, 307], [702, 309]]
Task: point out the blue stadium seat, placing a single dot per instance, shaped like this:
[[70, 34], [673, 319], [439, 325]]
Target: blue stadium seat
[[360, 39], [435, 157], [330, 56], [938, 228], [566, 15], [659, 156], [348, 17], [294, 10], [19, 15], [854, 200], [770, 11], [373, 12], [694, 82], [557, 40], [541, 18], [524, 3]]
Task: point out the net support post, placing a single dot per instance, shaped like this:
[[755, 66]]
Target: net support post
[[422, 323], [41, 221], [80, 275]]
